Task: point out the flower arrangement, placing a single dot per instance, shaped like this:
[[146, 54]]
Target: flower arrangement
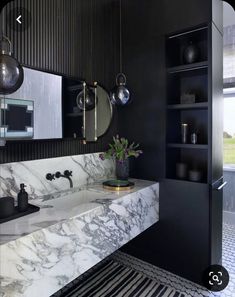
[[121, 150]]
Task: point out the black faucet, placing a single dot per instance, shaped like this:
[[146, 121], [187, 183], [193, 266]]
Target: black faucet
[[67, 174], [50, 176]]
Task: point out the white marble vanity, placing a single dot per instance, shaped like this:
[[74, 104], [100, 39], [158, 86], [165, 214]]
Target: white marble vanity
[[42, 252]]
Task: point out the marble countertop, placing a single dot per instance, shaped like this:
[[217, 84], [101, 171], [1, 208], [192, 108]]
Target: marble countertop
[[62, 206], [42, 252]]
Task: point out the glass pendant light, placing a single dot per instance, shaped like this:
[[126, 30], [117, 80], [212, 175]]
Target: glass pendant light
[[86, 100], [11, 71], [120, 94]]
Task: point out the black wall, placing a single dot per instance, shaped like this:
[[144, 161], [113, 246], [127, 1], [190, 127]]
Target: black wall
[[146, 25], [59, 38], [77, 38]]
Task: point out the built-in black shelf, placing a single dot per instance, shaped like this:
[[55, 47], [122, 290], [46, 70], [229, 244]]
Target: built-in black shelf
[[185, 79], [188, 67], [203, 181], [200, 105], [188, 146], [184, 34], [199, 81]]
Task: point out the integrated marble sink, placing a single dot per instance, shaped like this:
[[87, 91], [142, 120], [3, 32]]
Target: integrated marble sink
[[78, 200], [74, 230]]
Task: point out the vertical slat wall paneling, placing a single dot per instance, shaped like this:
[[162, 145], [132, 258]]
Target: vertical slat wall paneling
[[30, 150], [59, 41]]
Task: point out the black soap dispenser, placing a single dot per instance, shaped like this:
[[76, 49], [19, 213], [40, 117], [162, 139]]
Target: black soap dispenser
[[22, 199]]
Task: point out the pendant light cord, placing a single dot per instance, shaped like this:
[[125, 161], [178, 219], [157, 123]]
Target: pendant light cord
[[4, 22], [3, 99], [120, 32], [91, 40], [2, 14]]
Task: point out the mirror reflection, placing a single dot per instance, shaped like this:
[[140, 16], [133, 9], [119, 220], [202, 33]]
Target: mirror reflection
[[49, 106], [87, 110], [98, 119], [35, 110]]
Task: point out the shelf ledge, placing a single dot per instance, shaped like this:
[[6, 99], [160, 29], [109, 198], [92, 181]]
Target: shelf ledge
[[200, 105], [188, 67], [188, 146]]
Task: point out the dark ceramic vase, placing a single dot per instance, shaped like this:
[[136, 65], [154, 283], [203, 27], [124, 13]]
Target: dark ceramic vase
[[122, 169], [191, 54], [181, 170]]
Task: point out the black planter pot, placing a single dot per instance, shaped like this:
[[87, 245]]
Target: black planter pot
[[122, 169]]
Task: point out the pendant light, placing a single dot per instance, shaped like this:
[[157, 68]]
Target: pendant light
[[86, 98], [120, 94], [11, 72], [11, 76]]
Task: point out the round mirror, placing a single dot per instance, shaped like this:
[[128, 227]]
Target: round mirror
[[87, 110], [98, 119]]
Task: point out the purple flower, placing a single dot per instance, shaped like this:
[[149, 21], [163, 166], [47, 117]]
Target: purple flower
[[101, 156], [121, 150]]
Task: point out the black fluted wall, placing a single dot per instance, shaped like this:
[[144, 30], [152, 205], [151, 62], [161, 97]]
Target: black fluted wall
[[77, 38], [32, 150]]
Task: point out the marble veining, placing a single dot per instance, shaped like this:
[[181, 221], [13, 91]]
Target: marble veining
[[86, 169], [64, 243]]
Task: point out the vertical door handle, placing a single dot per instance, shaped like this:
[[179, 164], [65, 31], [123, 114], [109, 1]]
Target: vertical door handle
[[222, 186]]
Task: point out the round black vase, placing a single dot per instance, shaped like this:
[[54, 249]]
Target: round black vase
[[122, 169], [191, 54]]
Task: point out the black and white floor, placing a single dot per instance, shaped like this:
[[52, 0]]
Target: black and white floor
[[182, 285], [125, 276]]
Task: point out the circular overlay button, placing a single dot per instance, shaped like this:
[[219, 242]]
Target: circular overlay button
[[19, 19], [215, 278]]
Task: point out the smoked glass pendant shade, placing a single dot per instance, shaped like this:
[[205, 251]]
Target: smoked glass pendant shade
[[11, 72], [120, 94], [89, 98]]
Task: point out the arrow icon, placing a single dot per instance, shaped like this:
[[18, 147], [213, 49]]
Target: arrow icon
[[18, 19]]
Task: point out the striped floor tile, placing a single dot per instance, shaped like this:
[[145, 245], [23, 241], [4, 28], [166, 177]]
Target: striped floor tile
[[188, 288], [113, 279]]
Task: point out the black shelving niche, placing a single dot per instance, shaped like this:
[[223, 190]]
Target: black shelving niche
[[189, 79], [194, 160], [193, 81], [177, 43], [197, 121]]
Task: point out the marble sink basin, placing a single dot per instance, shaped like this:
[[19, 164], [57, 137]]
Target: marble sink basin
[[78, 199], [74, 230]]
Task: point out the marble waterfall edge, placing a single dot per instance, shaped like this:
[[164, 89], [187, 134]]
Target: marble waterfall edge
[[86, 170], [44, 261]]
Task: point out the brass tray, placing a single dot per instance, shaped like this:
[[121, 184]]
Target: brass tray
[[118, 185]]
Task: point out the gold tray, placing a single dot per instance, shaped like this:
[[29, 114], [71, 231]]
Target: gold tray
[[118, 185]]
